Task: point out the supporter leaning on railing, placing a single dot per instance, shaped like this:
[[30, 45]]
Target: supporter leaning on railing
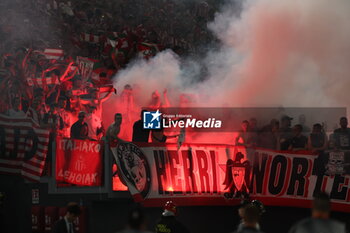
[[274, 137], [341, 136], [80, 129], [317, 140]]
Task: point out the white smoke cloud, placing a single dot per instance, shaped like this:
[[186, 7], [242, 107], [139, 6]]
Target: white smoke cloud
[[295, 52], [159, 73], [290, 53]]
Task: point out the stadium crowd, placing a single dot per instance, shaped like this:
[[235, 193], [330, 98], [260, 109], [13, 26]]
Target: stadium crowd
[[279, 135], [58, 59]]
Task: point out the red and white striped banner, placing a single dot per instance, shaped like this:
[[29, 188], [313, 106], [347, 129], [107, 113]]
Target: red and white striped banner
[[53, 53], [85, 66], [90, 38], [43, 82], [23, 147]]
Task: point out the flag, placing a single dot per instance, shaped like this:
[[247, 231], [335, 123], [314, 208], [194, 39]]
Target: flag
[[53, 53], [23, 147], [123, 43], [85, 66], [97, 70], [43, 81], [76, 41], [90, 38], [112, 38], [147, 50]]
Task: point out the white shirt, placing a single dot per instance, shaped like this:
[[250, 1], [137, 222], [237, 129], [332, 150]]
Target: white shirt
[[93, 122], [69, 225]]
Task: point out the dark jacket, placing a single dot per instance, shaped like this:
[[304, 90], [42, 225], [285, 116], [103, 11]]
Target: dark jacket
[[169, 224], [139, 134], [61, 227], [79, 131]]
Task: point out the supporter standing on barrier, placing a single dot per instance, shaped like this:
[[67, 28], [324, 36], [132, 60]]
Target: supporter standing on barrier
[[79, 129], [94, 123], [298, 141], [285, 133], [168, 222], [320, 221], [250, 220], [95, 99], [341, 136], [65, 225], [317, 139], [139, 134], [302, 122], [114, 129], [246, 137], [269, 136], [64, 114], [136, 222], [35, 111], [158, 136], [16, 110], [53, 121]]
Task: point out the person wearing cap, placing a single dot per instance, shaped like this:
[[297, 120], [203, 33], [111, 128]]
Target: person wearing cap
[[168, 222], [65, 225], [320, 218], [285, 132]]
